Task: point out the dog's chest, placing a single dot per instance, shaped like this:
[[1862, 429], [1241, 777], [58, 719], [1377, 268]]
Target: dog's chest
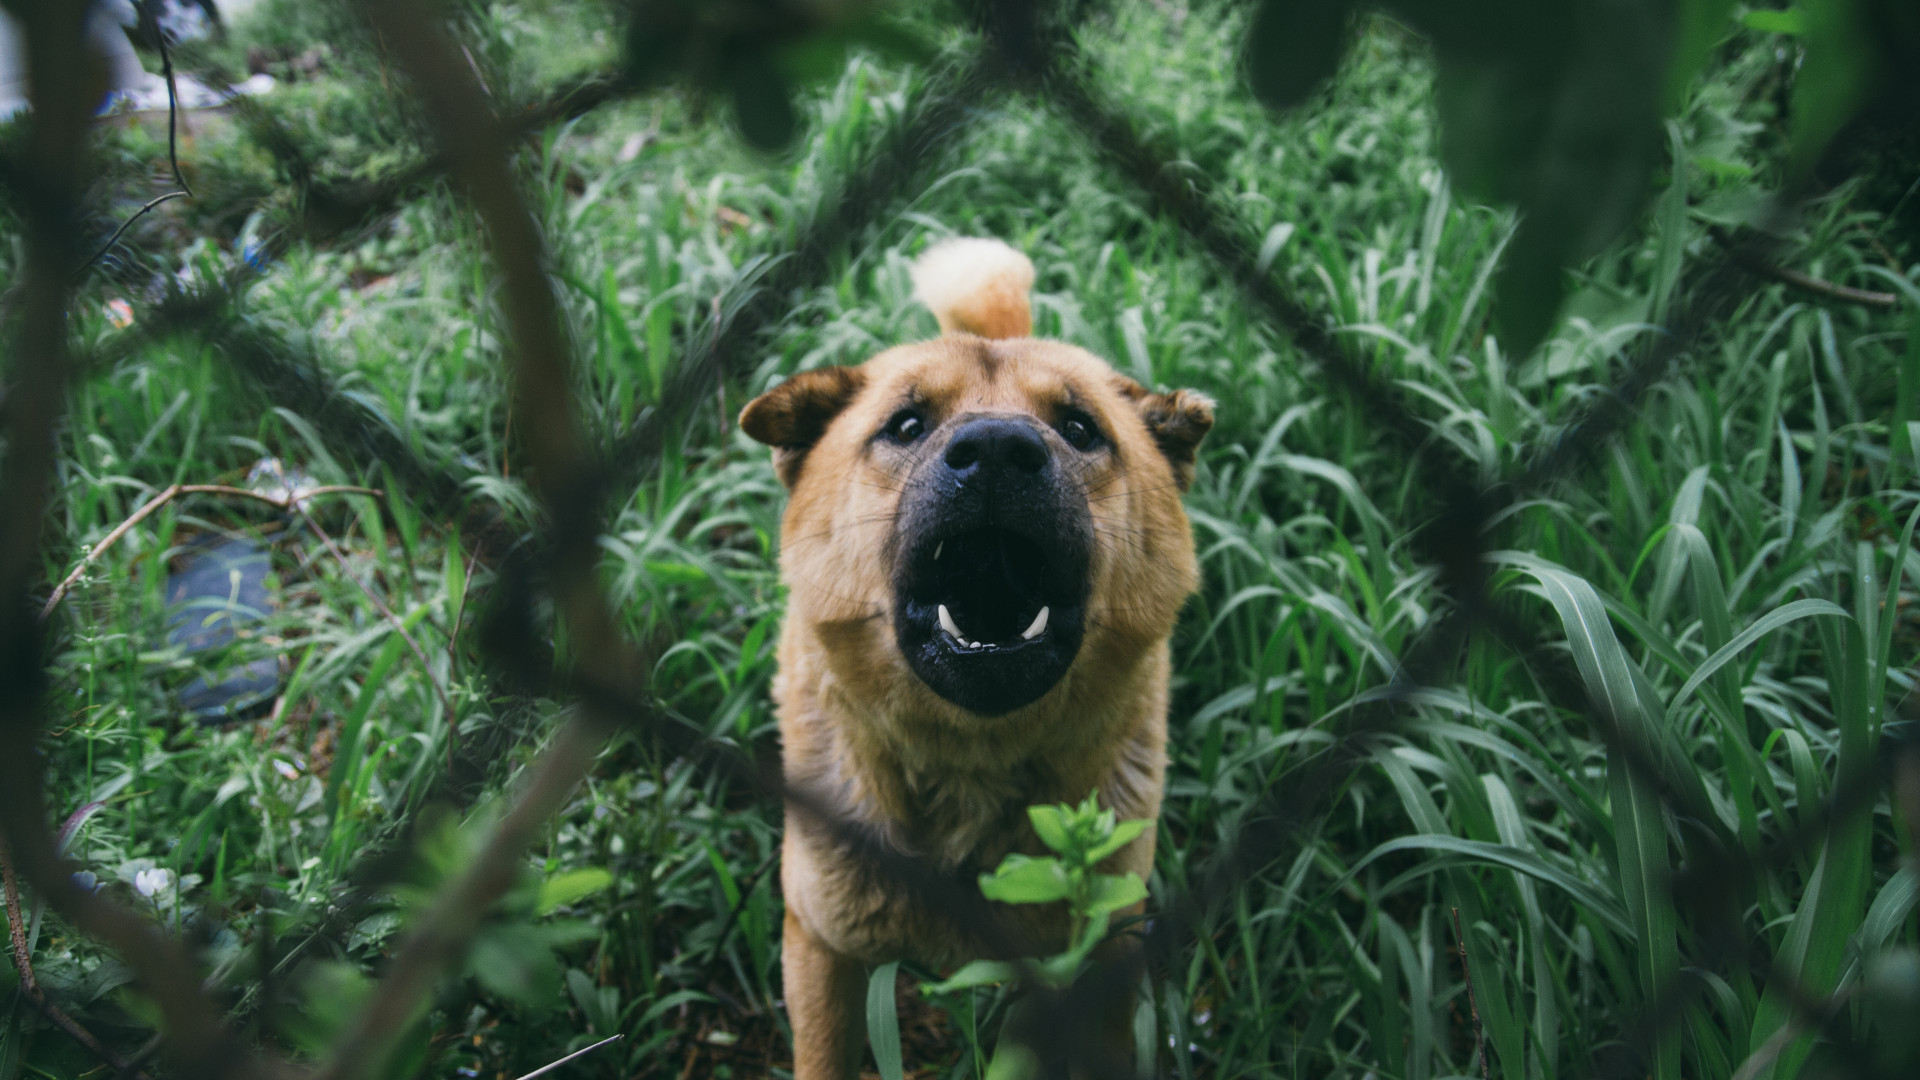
[[964, 819]]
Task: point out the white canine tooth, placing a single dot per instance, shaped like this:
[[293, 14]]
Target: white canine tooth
[[952, 628], [1039, 625], [937, 549]]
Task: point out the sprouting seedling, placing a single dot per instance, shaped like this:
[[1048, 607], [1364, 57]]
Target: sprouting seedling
[[1080, 837]]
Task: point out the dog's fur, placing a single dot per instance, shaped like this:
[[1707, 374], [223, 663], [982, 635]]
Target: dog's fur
[[864, 734]]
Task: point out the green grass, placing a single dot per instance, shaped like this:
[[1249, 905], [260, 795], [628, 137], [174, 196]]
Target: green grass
[[1736, 574]]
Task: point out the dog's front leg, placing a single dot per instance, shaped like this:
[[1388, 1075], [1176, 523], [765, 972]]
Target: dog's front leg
[[825, 999]]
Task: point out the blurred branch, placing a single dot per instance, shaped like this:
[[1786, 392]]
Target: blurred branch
[[439, 935], [60, 67], [931, 126], [478, 155], [124, 226]]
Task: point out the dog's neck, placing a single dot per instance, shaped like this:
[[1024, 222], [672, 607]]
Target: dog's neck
[[959, 791]]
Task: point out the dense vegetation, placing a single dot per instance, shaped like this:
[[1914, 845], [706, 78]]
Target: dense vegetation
[[1760, 512]]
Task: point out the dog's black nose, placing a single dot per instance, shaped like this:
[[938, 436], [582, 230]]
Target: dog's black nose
[[995, 444]]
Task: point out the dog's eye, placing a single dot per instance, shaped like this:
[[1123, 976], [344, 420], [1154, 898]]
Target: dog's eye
[[906, 426], [1080, 434]]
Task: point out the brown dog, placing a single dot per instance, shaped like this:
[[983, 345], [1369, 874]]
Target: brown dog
[[986, 554]]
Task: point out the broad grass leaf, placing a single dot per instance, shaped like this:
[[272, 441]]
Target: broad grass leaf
[[1766, 624], [1834, 78], [1702, 24], [571, 886], [1831, 909], [1587, 894], [883, 1023], [1616, 687], [762, 101]]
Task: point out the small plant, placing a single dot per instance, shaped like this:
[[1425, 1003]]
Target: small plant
[[1080, 837]]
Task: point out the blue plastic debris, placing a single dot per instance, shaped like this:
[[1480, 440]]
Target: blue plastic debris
[[220, 589]]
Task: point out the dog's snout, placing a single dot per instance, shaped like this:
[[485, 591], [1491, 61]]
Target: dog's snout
[[995, 444]]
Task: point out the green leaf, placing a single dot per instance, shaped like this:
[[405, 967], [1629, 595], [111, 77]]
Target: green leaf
[[1832, 908], [1702, 23], [570, 886], [1012, 1061], [1640, 829], [1111, 892], [1833, 80], [883, 1024], [516, 963], [978, 973], [1050, 825], [1589, 896], [1024, 880], [1123, 834], [1766, 624], [1792, 21]]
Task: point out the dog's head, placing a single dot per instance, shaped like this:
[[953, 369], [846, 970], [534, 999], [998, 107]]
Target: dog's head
[[985, 513]]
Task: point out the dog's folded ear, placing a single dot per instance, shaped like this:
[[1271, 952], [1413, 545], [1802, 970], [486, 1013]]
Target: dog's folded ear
[[1177, 422], [791, 417]]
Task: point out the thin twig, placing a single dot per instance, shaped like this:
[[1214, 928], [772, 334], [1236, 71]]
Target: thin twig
[[124, 226], [1753, 262], [1473, 1009], [168, 495], [478, 155], [173, 146], [60, 1019], [30, 985], [545, 1069], [173, 108], [16, 926]]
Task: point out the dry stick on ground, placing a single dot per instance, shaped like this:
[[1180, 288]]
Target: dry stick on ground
[[30, 986], [1752, 262], [168, 495], [1473, 1007]]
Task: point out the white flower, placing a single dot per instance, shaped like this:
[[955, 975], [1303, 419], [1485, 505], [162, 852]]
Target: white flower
[[149, 882]]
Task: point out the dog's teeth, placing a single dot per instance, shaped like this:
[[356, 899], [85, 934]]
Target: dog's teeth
[[937, 549], [1039, 625], [952, 628]]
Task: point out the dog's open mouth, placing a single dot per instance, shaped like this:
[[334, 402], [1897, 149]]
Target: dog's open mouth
[[989, 589], [990, 618]]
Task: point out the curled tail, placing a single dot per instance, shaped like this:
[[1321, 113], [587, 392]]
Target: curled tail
[[976, 286]]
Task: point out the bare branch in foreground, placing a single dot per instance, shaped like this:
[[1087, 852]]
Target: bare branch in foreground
[[59, 66]]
